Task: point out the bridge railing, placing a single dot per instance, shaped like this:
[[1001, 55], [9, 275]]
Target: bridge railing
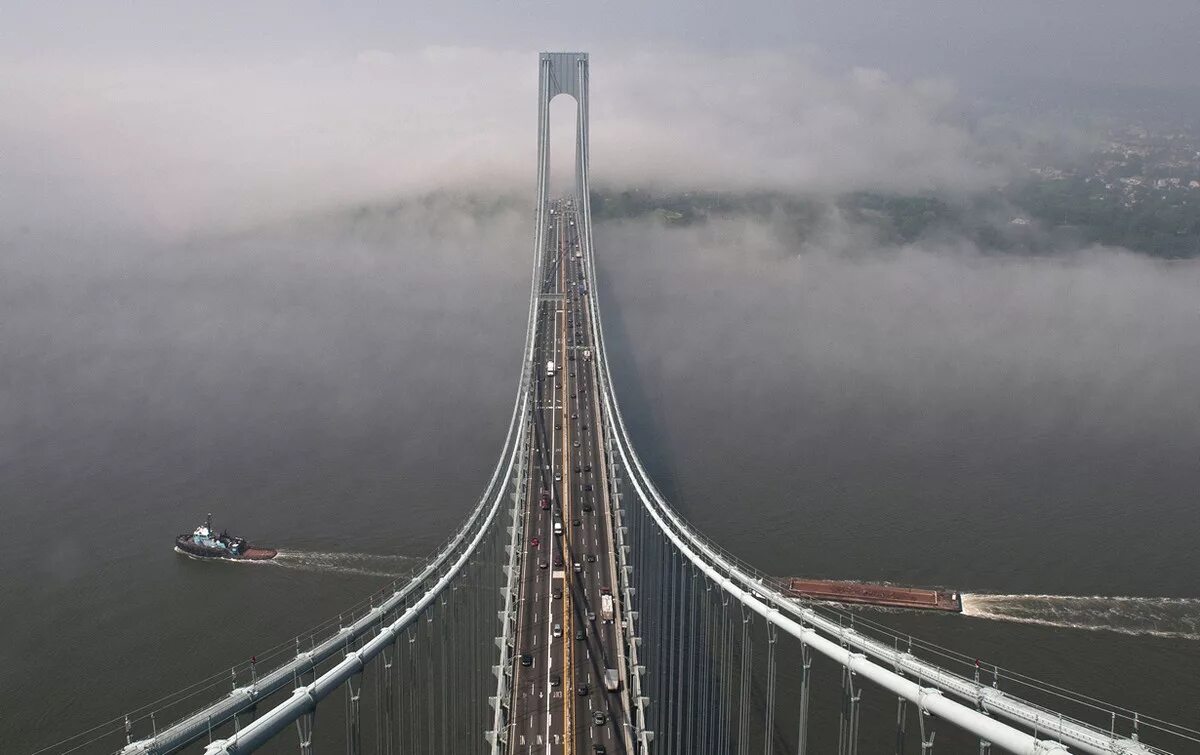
[[316, 648], [824, 629], [365, 623]]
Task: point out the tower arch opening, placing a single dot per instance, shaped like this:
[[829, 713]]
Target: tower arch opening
[[563, 147]]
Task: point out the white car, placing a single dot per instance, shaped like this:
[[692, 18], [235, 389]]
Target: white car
[[558, 630]]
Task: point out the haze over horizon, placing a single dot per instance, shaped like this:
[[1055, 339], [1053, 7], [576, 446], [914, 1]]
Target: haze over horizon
[[176, 118]]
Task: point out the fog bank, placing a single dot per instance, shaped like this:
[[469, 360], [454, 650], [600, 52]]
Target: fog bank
[[182, 148]]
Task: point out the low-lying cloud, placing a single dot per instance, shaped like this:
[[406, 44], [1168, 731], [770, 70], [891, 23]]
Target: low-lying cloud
[[899, 410], [183, 146], [1103, 339]]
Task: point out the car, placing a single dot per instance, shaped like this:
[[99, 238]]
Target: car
[[599, 718], [580, 634], [578, 567], [571, 374], [556, 593], [571, 356], [557, 384], [591, 558], [587, 508], [557, 630], [545, 504], [572, 395], [526, 659], [587, 467], [582, 690], [574, 415], [576, 443], [587, 486], [585, 426], [558, 475], [576, 522], [558, 561], [578, 470], [605, 591], [535, 542], [591, 615], [557, 425], [599, 749], [555, 680], [543, 564]]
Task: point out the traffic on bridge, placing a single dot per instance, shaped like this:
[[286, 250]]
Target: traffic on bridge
[[567, 684]]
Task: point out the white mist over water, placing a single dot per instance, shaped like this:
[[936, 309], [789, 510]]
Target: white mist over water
[[1160, 617]]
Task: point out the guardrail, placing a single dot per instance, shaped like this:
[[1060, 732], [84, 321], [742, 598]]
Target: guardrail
[[191, 728], [814, 630]]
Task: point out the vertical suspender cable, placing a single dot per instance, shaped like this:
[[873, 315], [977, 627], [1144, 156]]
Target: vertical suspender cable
[[746, 675], [805, 691], [727, 676], [679, 636], [769, 721], [694, 644]]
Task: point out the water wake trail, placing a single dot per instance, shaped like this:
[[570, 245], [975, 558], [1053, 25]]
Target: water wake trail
[[1177, 618], [360, 564]]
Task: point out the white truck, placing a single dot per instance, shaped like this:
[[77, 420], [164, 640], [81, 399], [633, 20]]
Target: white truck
[[612, 680], [550, 368], [587, 355], [606, 608]]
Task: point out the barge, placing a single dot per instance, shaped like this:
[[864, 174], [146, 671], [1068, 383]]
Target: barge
[[865, 593], [205, 543]]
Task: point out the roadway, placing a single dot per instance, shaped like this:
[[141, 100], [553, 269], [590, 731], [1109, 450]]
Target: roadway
[[563, 643]]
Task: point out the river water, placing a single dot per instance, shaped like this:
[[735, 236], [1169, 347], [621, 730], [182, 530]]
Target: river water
[[1022, 430]]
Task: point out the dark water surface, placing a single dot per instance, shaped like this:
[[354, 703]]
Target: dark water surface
[[340, 390]]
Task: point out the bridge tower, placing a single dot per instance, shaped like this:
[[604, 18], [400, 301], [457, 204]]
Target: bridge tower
[[562, 73]]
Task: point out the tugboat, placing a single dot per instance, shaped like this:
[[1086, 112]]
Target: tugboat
[[204, 543]]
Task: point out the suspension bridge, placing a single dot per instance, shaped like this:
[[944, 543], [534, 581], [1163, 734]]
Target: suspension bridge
[[575, 611]]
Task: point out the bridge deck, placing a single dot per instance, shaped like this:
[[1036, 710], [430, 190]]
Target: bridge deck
[[561, 627]]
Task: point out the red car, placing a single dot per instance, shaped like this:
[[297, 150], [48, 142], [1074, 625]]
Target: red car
[[535, 542]]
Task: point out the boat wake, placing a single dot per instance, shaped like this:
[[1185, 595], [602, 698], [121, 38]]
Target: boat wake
[[360, 564], [1160, 617]]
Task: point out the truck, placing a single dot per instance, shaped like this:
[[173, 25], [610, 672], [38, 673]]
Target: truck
[[612, 680], [587, 355], [606, 608], [550, 368]]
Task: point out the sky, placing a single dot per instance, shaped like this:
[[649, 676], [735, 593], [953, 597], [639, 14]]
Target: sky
[[1117, 44], [1120, 42], [175, 116]]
